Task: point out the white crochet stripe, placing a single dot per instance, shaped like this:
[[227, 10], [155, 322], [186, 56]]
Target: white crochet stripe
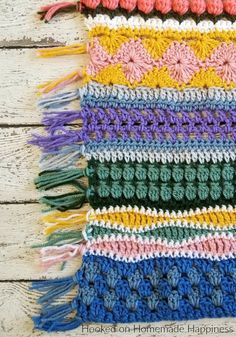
[[135, 22], [154, 212], [190, 254], [168, 156], [158, 224]]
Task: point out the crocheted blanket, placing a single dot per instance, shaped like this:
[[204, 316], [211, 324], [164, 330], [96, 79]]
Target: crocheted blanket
[[152, 150]]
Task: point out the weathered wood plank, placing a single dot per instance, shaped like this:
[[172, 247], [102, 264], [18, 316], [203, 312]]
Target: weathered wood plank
[[21, 26], [21, 72], [18, 304], [20, 229], [19, 165]]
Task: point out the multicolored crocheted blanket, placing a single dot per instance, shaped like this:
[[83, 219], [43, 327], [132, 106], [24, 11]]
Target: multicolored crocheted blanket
[[152, 150]]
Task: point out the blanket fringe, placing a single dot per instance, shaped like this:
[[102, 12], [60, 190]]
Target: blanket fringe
[[50, 179], [55, 254], [65, 201], [47, 12], [59, 100], [64, 158], [54, 317], [60, 83], [62, 238], [73, 49], [64, 220]]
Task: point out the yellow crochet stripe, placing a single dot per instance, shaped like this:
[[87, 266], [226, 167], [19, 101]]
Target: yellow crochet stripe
[[135, 220], [156, 42], [159, 78]]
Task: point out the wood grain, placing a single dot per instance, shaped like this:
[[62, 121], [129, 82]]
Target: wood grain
[[20, 229], [21, 72], [19, 165], [20, 25]]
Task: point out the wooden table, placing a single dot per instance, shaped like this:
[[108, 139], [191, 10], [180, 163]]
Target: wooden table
[[21, 34]]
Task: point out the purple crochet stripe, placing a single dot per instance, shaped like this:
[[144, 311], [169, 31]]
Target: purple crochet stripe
[[149, 124]]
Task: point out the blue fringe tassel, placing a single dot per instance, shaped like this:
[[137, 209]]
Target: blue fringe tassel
[[54, 317], [59, 100]]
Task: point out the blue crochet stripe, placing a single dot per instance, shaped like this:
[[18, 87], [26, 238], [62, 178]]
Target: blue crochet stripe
[[156, 289], [157, 145], [94, 102], [95, 95], [142, 144]]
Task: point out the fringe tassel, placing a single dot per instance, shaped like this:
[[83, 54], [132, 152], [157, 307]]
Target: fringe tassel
[[55, 317], [73, 49], [65, 201], [62, 238], [52, 255], [49, 179], [47, 12], [60, 83], [54, 142], [60, 100], [64, 220], [63, 159], [56, 119]]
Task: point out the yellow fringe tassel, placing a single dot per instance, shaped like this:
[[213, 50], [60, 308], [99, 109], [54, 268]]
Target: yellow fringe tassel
[[64, 220], [56, 84], [73, 49]]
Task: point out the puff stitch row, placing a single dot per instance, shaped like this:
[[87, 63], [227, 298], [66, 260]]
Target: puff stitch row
[[214, 7]]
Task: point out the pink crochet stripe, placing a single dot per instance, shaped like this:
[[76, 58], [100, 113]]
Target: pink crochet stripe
[[198, 7], [216, 246]]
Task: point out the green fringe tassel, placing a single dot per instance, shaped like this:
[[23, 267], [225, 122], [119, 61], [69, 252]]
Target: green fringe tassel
[[61, 238], [49, 179], [65, 201]]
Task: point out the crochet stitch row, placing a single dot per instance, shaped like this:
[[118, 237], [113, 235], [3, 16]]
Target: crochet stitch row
[[122, 183], [164, 288], [97, 95], [105, 232], [134, 124], [136, 22], [198, 7], [154, 14], [132, 249], [176, 66], [137, 220], [129, 150]]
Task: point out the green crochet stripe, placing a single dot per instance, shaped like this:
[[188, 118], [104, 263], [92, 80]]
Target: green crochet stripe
[[167, 186], [170, 233]]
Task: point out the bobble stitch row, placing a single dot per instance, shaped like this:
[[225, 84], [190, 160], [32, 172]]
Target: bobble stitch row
[[198, 7], [165, 172]]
